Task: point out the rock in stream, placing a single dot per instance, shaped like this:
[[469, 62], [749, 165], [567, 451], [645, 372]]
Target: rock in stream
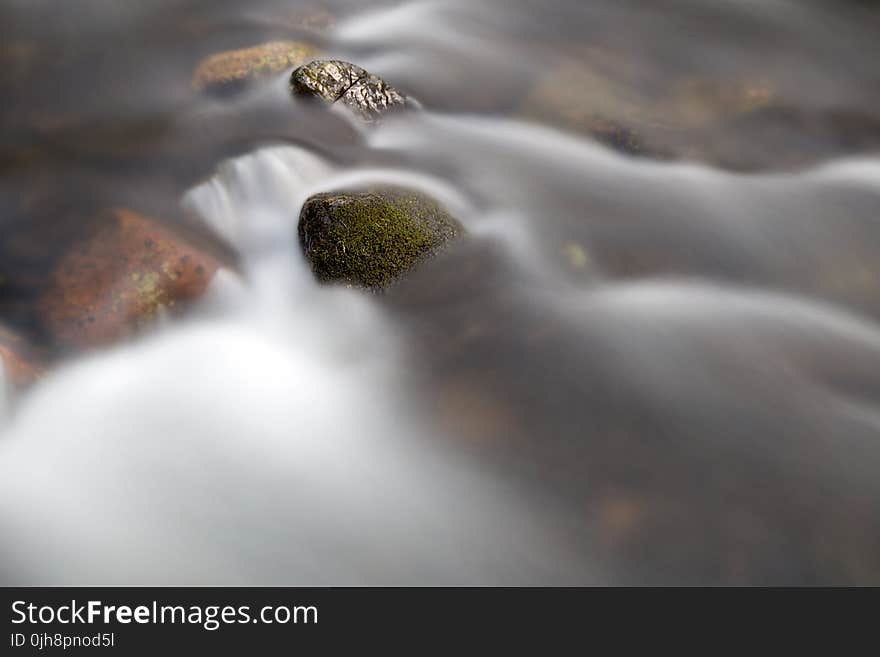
[[367, 95], [233, 70], [119, 278], [371, 238]]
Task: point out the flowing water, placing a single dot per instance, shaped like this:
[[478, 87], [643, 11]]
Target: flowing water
[[654, 359]]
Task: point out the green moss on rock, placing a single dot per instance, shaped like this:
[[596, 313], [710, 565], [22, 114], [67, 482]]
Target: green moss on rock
[[370, 238]]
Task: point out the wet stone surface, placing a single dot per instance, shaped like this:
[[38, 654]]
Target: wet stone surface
[[371, 238], [367, 95], [119, 279]]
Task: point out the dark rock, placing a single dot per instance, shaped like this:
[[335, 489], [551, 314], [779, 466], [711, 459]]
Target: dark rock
[[367, 95], [372, 97], [328, 80], [371, 238]]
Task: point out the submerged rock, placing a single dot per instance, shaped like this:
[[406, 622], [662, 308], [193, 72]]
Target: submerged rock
[[367, 95], [232, 70], [740, 121], [371, 238], [291, 20], [311, 19], [594, 101], [119, 278]]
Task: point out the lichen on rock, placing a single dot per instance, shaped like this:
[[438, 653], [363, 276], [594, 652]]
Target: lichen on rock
[[371, 238], [232, 70], [118, 278], [367, 95], [327, 80]]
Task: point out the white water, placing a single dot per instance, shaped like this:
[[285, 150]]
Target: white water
[[274, 439], [269, 440]]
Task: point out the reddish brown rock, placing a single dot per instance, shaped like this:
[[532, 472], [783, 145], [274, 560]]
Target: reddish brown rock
[[20, 364], [119, 278]]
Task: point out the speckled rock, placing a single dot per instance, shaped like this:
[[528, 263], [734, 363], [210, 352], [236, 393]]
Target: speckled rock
[[367, 95], [371, 238], [327, 80], [233, 70], [119, 278]]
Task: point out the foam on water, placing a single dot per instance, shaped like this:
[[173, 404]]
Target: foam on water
[[269, 440], [224, 452]]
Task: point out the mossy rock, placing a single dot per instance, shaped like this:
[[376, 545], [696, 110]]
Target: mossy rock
[[371, 238], [231, 71]]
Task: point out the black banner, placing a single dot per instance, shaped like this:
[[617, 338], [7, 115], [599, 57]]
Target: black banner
[[150, 620]]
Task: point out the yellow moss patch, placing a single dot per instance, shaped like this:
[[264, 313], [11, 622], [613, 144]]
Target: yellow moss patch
[[371, 238]]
